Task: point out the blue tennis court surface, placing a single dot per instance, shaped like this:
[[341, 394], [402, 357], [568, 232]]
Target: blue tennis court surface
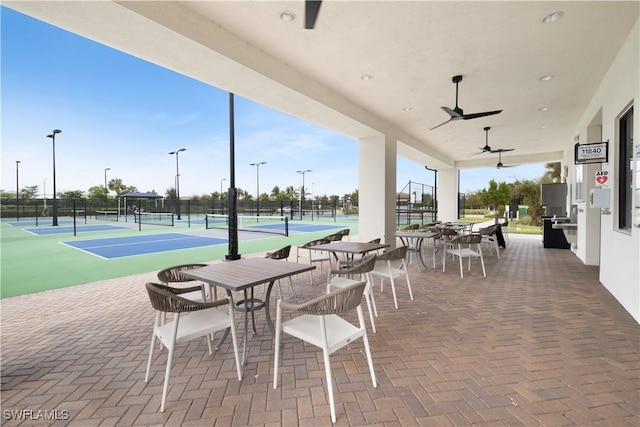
[[67, 230], [118, 247], [310, 228]]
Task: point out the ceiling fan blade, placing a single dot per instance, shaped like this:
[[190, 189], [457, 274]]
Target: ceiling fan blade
[[311, 10], [443, 123], [453, 113], [483, 114], [501, 150]]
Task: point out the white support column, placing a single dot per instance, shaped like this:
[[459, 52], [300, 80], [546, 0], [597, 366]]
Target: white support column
[[448, 184], [377, 188]]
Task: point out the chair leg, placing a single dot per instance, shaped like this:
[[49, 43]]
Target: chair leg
[[482, 261], [327, 368], [167, 373], [153, 343], [367, 349], [276, 359], [234, 339], [393, 285], [460, 259], [367, 296]]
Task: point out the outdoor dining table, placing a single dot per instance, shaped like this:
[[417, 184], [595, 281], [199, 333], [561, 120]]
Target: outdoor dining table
[[243, 275], [418, 238], [349, 248]]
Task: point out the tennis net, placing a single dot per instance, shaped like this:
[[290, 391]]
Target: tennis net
[[107, 215], [155, 218], [260, 224]]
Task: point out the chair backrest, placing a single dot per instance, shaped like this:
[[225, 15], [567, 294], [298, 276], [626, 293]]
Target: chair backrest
[[361, 266], [375, 240], [316, 242], [488, 231], [345, 232], [172, 274], [335, 237], [167, 299], [467, 239], [447, 233], [336, 302], [411, 227], [395, 254], [281, 253]]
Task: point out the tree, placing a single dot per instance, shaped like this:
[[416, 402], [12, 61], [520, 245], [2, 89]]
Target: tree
[[354, 196], [497, 196], [553, 173], [97, 193], [171, 193], [73, 194], [473, 200], [29, 192], [527, 193]]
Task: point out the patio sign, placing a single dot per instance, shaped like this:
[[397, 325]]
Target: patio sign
[[602, 177], [597, 152]]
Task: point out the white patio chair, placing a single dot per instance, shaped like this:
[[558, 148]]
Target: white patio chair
[[193, 319], [462, 247], [490, 239], [319, 323], [313, 256], [171, 277], [361, 268], [385, 267]]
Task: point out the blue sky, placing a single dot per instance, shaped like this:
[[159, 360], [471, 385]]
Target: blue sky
[[119, 112]]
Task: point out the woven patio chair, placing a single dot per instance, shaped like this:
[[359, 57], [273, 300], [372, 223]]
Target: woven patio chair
[[463, 247], [319, 323], [393, 265], [192, 319], [344, 277]]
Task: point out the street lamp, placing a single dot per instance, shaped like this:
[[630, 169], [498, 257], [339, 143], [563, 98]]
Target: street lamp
[[17, 192], [55, 200], [106, 189], [302, 189], [257, 165], [178, 180], [221, 181]]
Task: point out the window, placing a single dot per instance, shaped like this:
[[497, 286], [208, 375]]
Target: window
[[625, 171]]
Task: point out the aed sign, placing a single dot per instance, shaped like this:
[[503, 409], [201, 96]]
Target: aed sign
[[602, 178]]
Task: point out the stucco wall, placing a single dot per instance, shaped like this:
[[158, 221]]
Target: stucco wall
[[619, 250]]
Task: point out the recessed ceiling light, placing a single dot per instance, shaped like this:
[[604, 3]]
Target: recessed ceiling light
[[543, 109], [287, 16], [407, 109], [546, 78], [366, 77], [554, 17]]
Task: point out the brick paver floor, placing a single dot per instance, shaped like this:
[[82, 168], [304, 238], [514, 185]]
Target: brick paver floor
[[538, 342]]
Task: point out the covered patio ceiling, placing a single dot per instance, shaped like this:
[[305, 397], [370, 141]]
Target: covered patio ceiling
[[409, 50]]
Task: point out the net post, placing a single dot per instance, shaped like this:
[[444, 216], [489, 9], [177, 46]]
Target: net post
[[286, 226], [74, 217]]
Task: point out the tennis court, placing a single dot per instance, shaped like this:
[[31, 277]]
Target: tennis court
[[118, 247], [66, 230]]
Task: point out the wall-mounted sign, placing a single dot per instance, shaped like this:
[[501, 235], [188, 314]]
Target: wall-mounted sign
[[602, 178], [592, 153]]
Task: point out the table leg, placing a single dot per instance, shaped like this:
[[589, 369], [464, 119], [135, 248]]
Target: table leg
[[266, 308]]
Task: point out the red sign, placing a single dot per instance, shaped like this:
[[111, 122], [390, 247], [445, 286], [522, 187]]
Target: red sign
[[602, 177]]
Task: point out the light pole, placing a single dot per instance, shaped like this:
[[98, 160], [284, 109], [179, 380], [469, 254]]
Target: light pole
[[17, 192], [302, 189], [221, 181], [106, 189], [55, 200], [257, 165], [178, 180]]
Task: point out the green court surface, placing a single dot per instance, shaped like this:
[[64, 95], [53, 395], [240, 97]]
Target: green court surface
[[34, 263]]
